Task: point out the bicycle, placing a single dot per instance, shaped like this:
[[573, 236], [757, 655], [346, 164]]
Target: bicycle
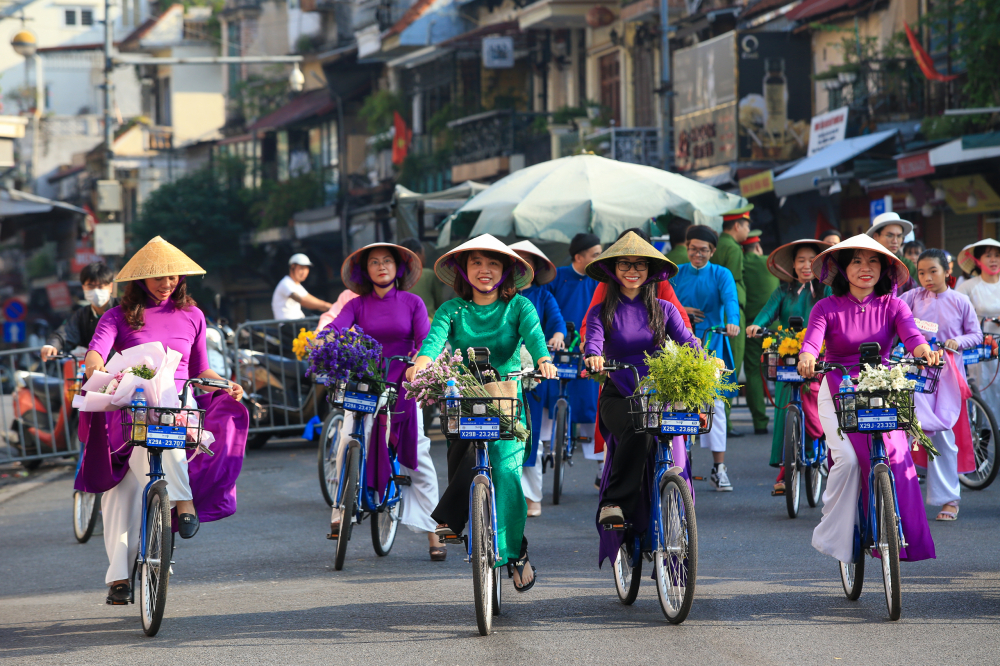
[[670, 540], [468, 419], [160, 429], [982, 421], [562, 443], [879, 522], [363, 397], [801, 457], [328, 450]]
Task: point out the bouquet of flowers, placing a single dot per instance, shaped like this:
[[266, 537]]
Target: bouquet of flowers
[[149, 366], [429, 385], [336, 355], [301, 344], [785, 341], [896, 391], [686, 375]]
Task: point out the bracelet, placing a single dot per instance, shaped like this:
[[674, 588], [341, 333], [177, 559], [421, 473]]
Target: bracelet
[[548, 360]]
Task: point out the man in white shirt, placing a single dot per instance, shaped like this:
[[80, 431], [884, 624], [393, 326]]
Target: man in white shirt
[[290, 295]]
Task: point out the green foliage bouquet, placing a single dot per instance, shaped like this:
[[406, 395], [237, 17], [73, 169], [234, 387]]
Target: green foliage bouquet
[[686, 375]]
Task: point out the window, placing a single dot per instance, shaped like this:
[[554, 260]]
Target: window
[[87, 17], [70, 17]]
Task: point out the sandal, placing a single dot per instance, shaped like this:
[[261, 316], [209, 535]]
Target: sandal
[[439, 553], [444, 532], [520, 565], [119, 595], [611, 515], [947, 516], [334, 532], [534, 511]]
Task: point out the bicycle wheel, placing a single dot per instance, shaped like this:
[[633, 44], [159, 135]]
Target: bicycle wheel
[[384, 525], [154, 574], [793, 477], [852, 577], [888, 542], [814, 478], [496, 589], [984, 443], [329, 444], [348, 504], [86, 509], [675, 562], [627, 577], [483, 577], [559, 451]]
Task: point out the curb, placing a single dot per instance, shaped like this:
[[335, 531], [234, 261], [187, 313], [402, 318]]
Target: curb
[[12, 491]]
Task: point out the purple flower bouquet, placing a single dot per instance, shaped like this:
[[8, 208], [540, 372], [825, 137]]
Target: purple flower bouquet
[[337, 355]]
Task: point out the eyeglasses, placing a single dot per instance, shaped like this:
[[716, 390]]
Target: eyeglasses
[[694, 250], [626, 266], [375, 263]]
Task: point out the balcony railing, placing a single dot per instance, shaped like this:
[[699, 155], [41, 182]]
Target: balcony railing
[[499, 134], [636, 145]]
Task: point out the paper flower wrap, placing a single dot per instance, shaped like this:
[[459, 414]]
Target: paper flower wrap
[[161, 391]]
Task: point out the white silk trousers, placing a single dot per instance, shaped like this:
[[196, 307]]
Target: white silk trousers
[[834, 535], [715, 439], [942, 472], [421, 496]]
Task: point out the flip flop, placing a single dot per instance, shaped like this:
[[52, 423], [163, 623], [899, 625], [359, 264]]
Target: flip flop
[[520, 565], [947, 516], [439, 553]]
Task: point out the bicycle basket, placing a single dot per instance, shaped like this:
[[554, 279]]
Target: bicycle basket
[[163, 427], [784, 368], [654, 417], [926, 377], [479, 418], [985, 351], [878, 411]]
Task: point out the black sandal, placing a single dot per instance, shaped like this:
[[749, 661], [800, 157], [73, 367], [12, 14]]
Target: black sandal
[[119, 595], [520, 565]]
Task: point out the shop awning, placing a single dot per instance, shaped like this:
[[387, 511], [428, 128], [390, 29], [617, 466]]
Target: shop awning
[[805, 175], [14, 203], [956, 152], [307, 105], [443, 20]]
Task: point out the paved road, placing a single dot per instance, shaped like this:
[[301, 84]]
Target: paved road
[[259, 587]]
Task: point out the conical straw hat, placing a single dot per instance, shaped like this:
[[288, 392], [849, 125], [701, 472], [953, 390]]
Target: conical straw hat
[[444, 267], [632, 245], [354, 274], [546, 270], [967, 257], [826, 268], [781, 262], [158, 258]]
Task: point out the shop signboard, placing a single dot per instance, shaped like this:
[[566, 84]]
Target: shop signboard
[[775, 105], [960, 192], [914, 165], [827, 128], [59, 296], [498, 52], [757, 184], [705, 103], [706, 138]]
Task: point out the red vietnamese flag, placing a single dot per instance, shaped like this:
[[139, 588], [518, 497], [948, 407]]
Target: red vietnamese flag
[[924, 59], [401, 142]]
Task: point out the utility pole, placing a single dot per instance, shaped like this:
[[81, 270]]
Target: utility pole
[[109, 134], [665, 84]]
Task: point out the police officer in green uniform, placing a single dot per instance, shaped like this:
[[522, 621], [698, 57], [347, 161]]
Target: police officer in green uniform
[[760, 283]]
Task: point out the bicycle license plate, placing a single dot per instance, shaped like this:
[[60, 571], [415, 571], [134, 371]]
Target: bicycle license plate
[[479, 427], [788, 373], [876, 420], [366, 403], [971, 356], [921, 382], [567, 371], [166, 437], [680, 423]]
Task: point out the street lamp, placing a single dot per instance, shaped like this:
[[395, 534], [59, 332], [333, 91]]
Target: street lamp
[[26, 45], [296, 80]]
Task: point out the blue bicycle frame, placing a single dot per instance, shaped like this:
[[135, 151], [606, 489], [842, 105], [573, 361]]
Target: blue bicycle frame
[[155, 475], [866, 534], [484, 475], [814, 454], [365, 496], [653, 538]]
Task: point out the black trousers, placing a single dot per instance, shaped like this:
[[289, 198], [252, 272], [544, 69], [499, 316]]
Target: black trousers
[[631, 453], [453, 507]]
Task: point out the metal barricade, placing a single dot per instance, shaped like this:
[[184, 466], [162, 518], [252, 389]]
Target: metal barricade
[[37, 420], [278, 394]]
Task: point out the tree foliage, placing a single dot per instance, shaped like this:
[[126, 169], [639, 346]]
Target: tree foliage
[[378, 108], [975, 30]]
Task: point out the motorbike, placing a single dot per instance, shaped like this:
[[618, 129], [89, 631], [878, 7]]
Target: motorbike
[[44, 419]]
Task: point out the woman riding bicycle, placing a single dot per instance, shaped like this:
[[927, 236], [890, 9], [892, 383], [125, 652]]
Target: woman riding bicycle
[[630, 323], [381, 274], [488, 312], [157, 308], [862, 309], [984, 292], [944, 314], [795, 297]]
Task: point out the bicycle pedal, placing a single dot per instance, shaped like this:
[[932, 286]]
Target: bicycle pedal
[[455, 538], [620, 527], [584, 439], [776, 493], [403, 480], [698, 478]]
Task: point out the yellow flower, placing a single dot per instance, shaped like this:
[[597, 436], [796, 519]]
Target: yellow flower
[[768, 342], [301, 343], [789, 347], [801, 335]]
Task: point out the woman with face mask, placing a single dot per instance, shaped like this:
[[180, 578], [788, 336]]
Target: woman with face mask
[[77, 331], [792, 264]]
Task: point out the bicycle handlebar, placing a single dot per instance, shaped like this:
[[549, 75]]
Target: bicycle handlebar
[[615, 367]]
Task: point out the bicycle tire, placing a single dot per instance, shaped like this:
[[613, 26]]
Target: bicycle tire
[[347, 505], [793, 477], [676, 575], [480, 531], [86, 509], [559, 451], [497, 577], [983, 424], [627, 578], [329, 441], [852, 577], [154, 573], [814, 479], [888, 542], [385, 524]]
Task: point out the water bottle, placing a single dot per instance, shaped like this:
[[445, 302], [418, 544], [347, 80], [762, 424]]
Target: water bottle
[[848, 404], [453, 408], [139, 416], [653, 411], [898, 352], [80, 380]]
